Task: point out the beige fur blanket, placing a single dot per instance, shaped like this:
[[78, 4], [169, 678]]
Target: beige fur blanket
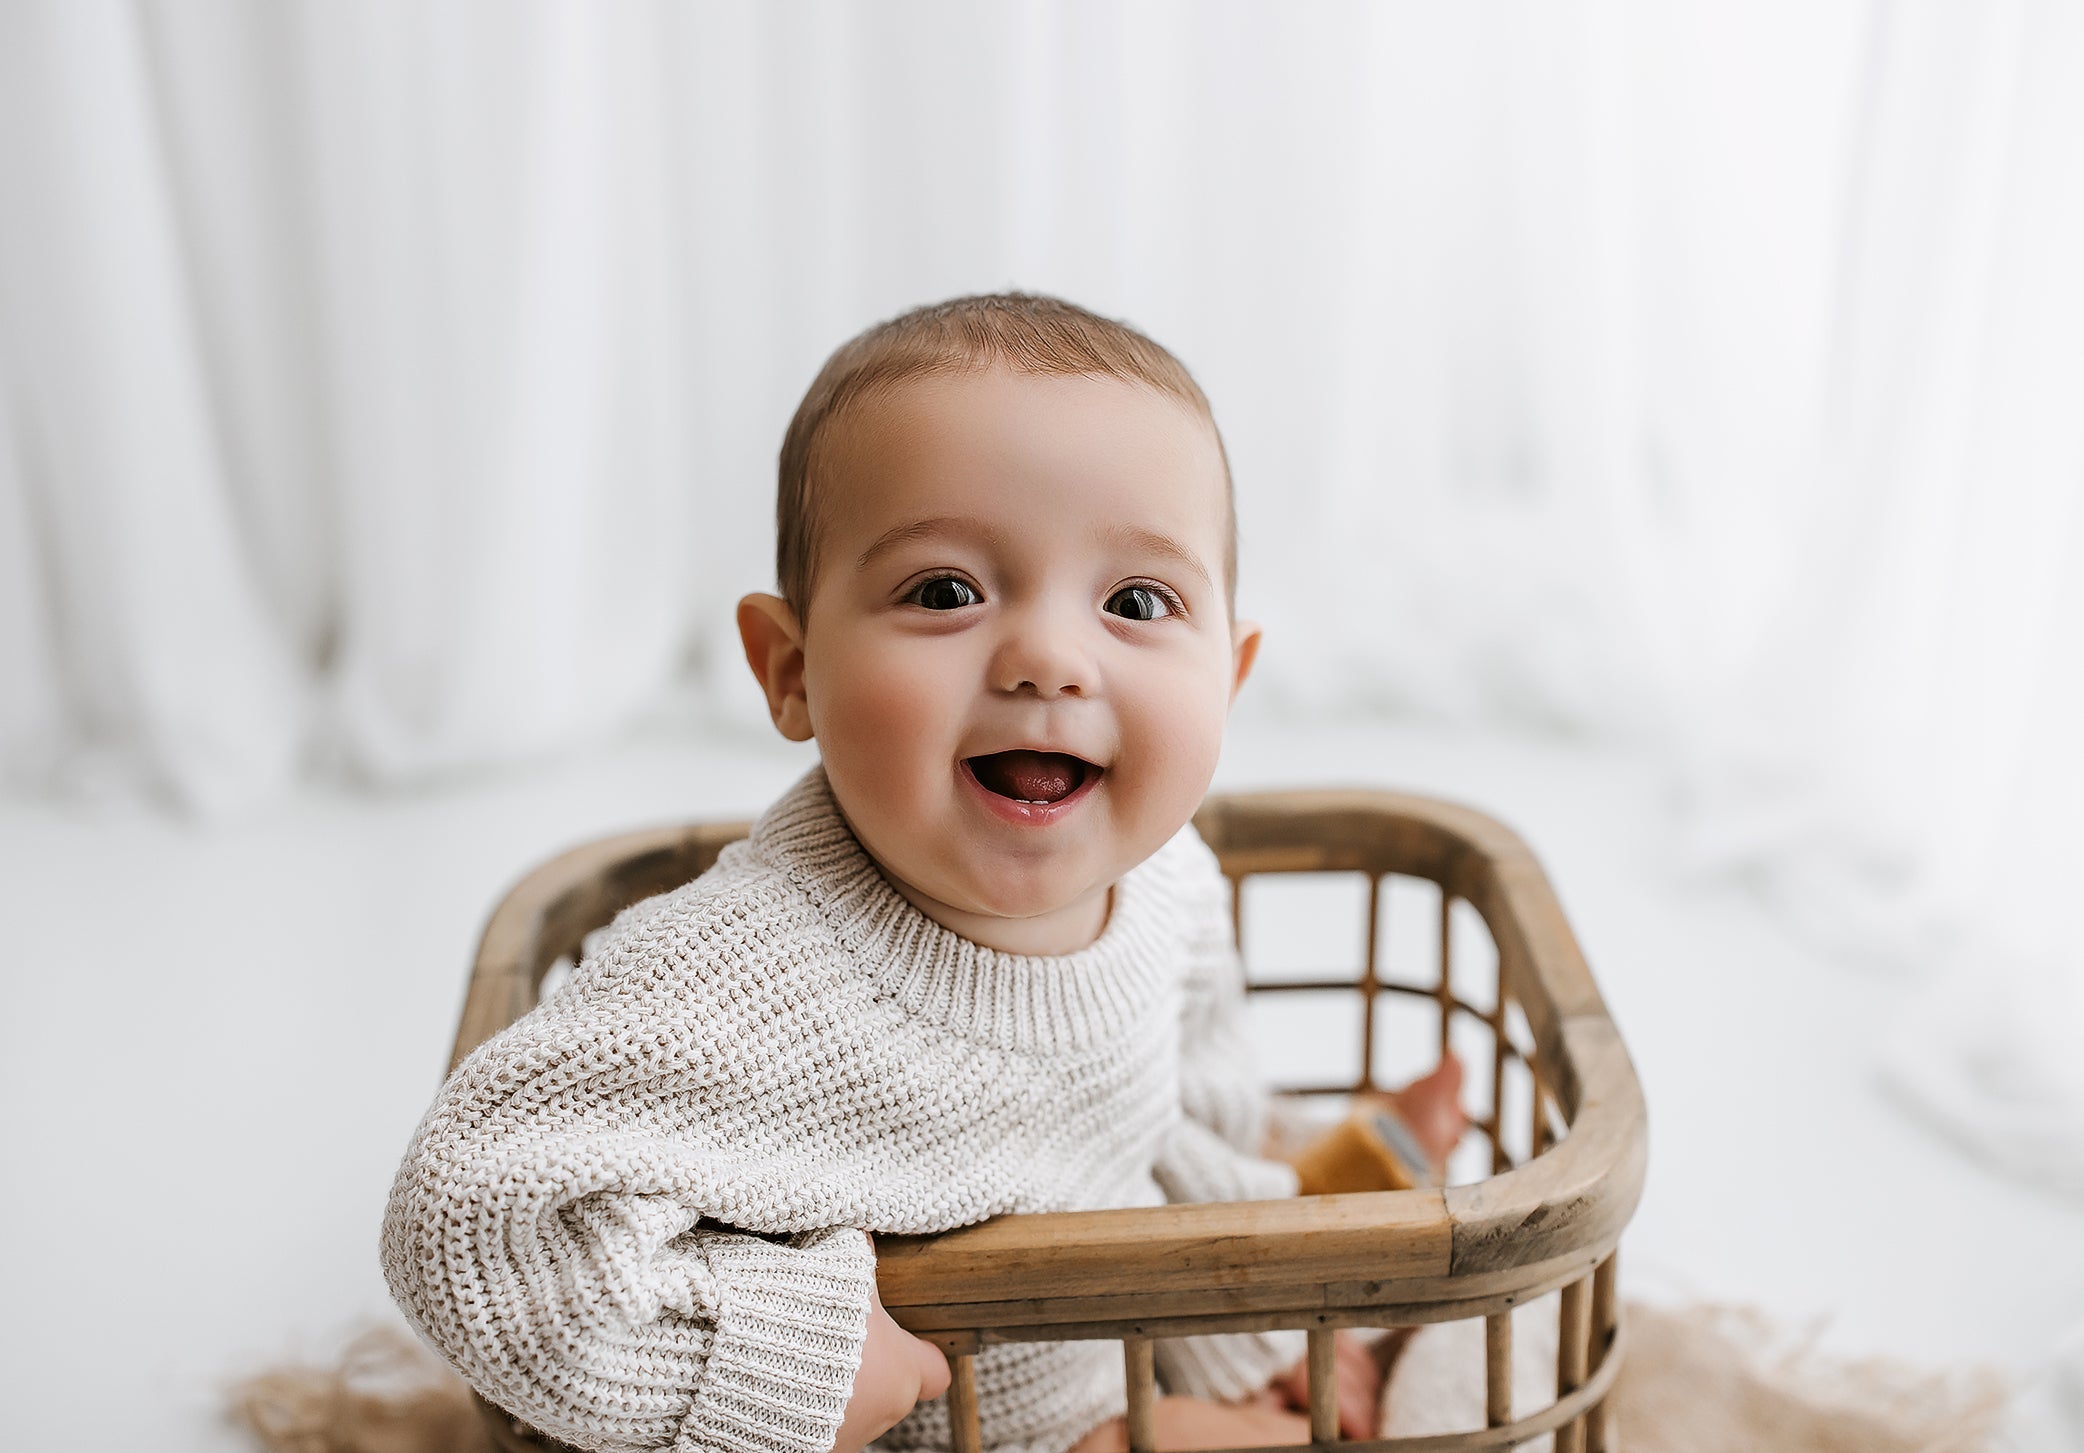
[[1697, 1380]]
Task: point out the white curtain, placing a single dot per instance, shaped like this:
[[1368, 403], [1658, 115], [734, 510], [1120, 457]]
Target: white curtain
[[346, 356], [394, 389], [1899, 758]]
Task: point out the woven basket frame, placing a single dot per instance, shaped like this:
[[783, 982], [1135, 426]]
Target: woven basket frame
[[1547, 1218]]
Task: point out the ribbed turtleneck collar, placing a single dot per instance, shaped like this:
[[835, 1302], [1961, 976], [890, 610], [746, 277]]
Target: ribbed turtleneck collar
[[1027, 1002]]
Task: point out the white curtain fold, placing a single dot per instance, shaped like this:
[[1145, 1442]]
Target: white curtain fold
[[158, 651], [1954, 679], [502, 337]]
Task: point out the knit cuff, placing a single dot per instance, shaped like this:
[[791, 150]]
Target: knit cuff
[[1197, 1164], [790, 1324]]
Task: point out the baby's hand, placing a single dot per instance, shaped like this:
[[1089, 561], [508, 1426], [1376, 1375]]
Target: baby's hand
[[897, 1372]]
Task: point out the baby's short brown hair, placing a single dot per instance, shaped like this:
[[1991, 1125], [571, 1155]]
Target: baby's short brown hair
[[1023, 331]]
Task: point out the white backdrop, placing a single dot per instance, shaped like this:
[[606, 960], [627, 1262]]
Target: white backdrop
[[394, 390]]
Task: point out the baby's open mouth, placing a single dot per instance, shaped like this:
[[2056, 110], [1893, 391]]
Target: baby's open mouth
[[1036, 777]]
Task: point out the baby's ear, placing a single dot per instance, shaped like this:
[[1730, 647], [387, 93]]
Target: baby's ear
[[773, 640], [1244, 651]]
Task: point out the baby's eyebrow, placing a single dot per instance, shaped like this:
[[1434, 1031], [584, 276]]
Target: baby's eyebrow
[[1151, 542], [925, 529]]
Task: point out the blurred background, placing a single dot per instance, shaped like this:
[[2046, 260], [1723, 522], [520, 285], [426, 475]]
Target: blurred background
[[1658, 424]]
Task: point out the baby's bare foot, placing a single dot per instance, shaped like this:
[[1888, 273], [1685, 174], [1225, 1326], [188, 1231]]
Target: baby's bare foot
[[1432, 1108], [1361, 1363]]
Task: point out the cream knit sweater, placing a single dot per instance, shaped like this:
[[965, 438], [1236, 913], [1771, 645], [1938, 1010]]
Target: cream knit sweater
[[636, 1218]]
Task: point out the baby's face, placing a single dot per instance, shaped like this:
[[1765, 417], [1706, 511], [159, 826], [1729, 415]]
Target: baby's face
[[1018, 659]]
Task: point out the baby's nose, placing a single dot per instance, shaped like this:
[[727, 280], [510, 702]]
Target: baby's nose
[[1045, 662]]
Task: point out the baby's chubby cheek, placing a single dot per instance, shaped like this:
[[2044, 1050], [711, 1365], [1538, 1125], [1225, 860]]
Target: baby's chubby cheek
[[1167, 761], [888, 742], [864, 703]]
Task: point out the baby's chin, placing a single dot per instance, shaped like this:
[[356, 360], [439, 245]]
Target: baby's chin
[[1019, 915]]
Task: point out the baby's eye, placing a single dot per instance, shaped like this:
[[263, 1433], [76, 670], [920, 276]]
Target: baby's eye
[[943, 592], [1138, 603]]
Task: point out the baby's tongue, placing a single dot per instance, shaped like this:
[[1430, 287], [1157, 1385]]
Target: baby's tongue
[[1030, 776]]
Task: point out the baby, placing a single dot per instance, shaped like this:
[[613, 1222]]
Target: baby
[[974, 963]]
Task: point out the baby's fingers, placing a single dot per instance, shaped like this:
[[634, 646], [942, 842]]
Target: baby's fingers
[[934, 1373], [897, 1370]]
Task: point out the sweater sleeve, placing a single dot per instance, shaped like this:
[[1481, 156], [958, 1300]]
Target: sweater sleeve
[[1211, 1154], [556, 1232]]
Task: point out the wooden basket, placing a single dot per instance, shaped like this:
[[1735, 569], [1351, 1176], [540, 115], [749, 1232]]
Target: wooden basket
[[1548, 1216]]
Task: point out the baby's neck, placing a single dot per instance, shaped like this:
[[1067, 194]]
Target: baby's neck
[[1061, 931]]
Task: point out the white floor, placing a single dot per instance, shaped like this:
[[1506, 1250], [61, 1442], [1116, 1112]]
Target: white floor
[[218, 1040]]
